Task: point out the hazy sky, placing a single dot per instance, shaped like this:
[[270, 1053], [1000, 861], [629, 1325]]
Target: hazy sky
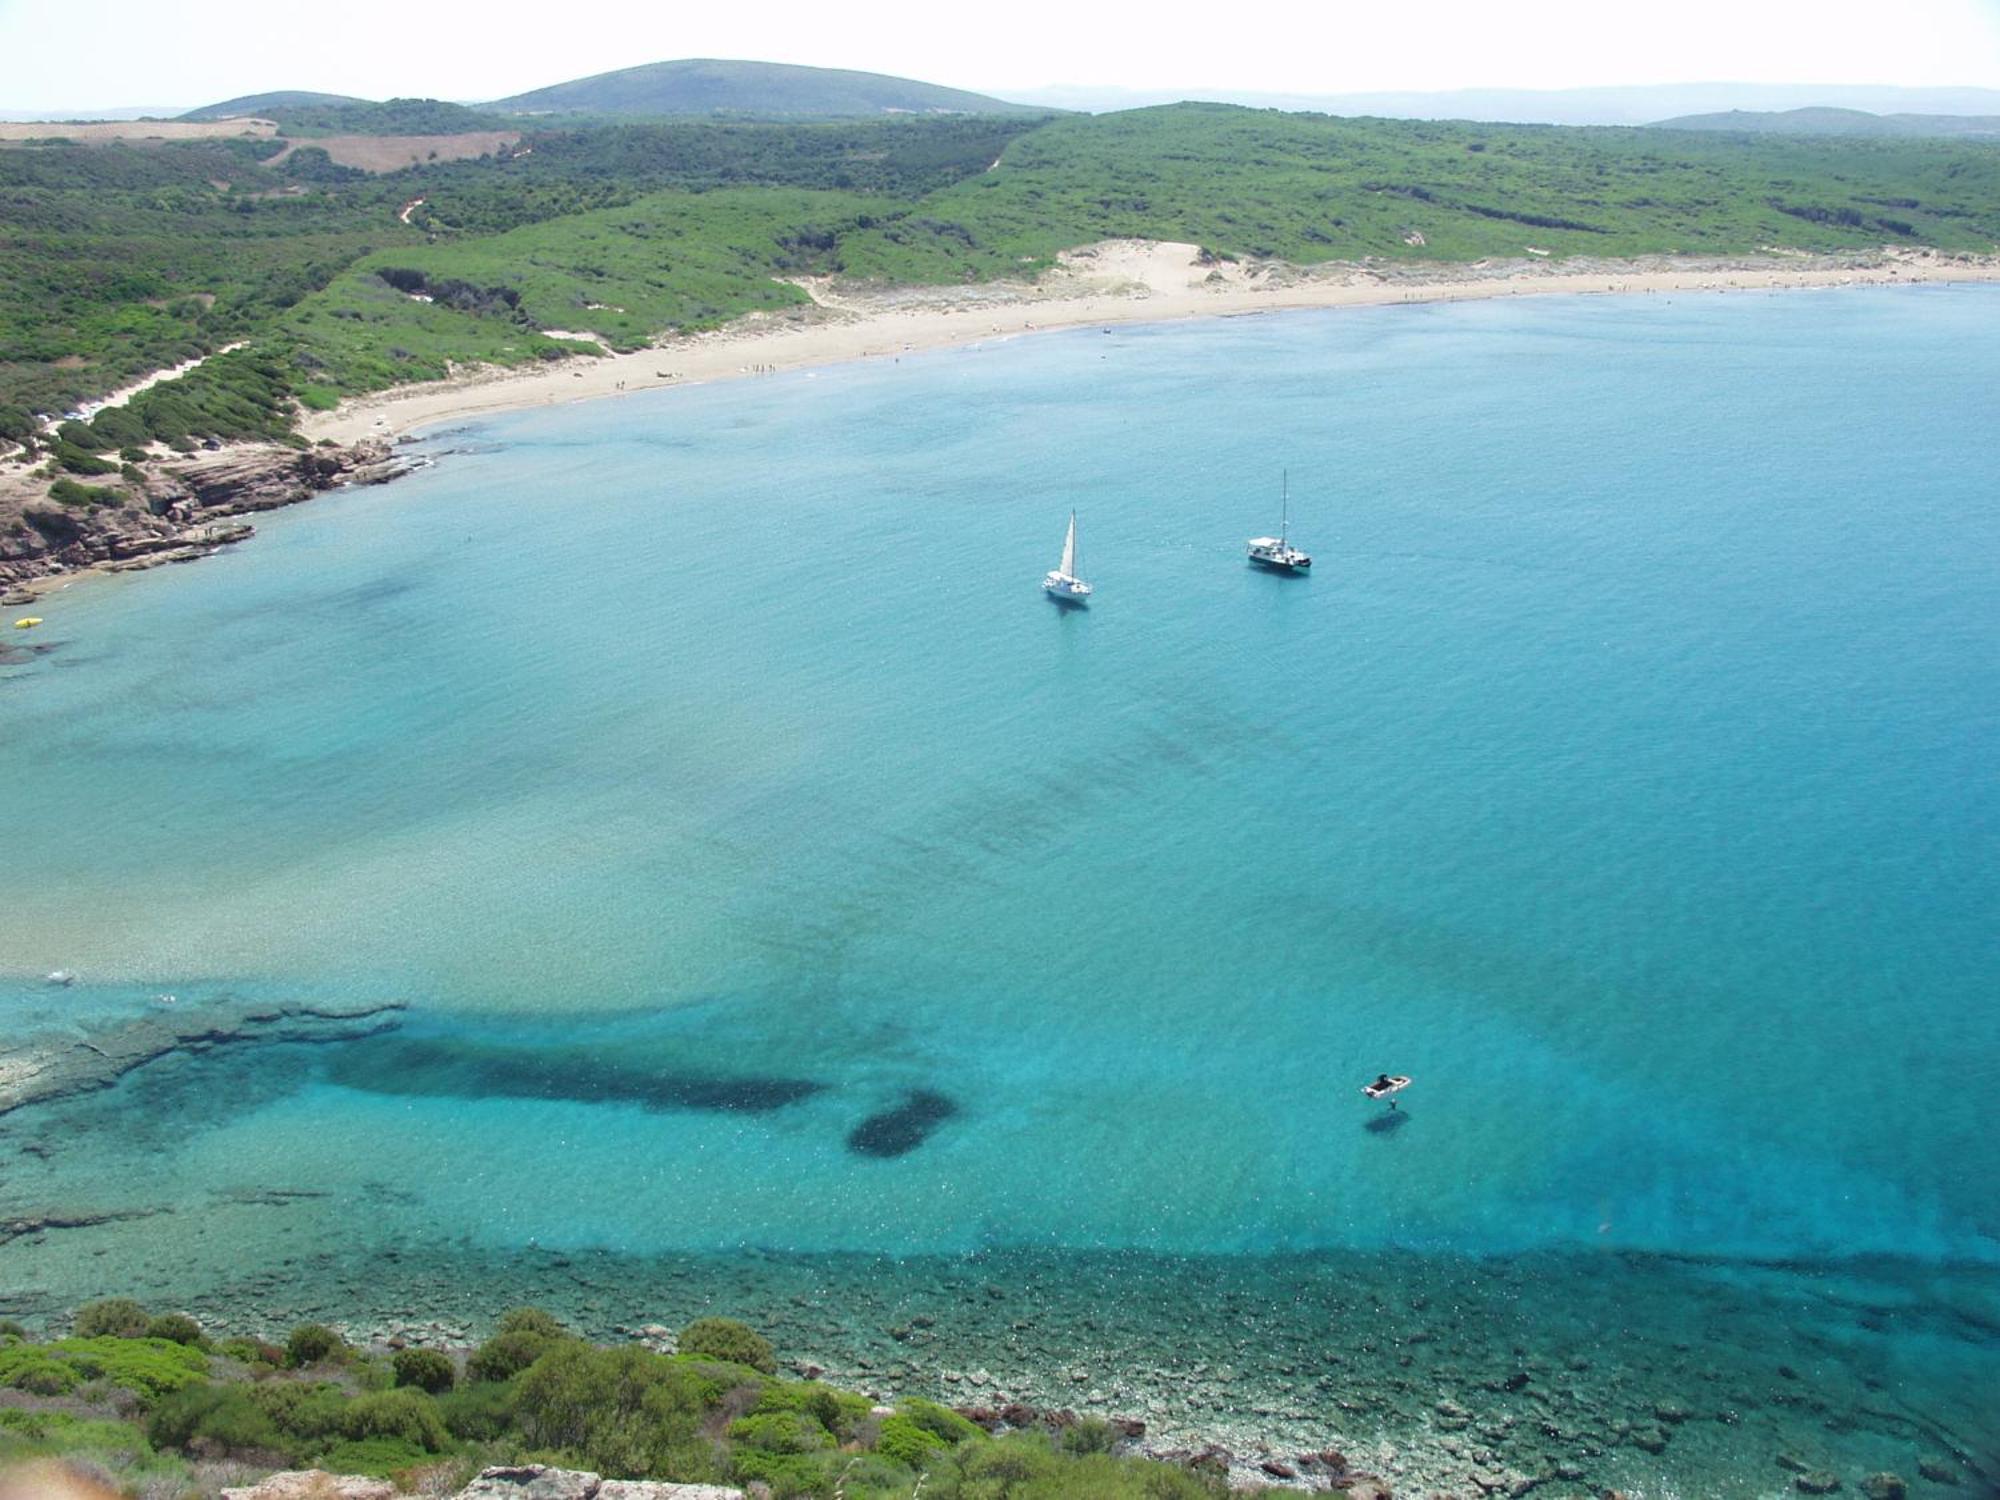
[[95, 53]]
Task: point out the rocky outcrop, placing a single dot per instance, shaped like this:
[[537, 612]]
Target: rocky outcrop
[[539, 1482], [34, 1069], [176, 515], [315, 1484], [516, 1482]]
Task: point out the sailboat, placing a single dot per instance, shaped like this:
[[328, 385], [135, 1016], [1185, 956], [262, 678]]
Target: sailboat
[[1276, 552], [1062, 584]]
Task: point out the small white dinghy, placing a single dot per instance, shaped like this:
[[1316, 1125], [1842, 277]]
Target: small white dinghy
[[1385, 1085]]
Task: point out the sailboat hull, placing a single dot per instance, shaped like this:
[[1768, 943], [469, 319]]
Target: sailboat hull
[[1073, 592], [1277, 555], [1293, 566]]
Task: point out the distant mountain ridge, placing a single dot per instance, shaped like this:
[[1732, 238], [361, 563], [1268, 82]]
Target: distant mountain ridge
[[1825, 121], [1631, 104], [718, 86]]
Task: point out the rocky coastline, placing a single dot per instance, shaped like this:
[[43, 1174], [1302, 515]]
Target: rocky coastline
[[41, 1067], [178, 513]]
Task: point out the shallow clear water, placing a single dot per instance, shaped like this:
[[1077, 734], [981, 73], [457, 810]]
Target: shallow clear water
[[767, 865]]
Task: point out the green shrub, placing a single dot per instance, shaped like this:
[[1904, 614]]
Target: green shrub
[[533, 1320], [112, 1317], [80, 436], [16, 425], [370, 1372], [118, 427], [36, 1370], [623, 1412], [780, 1432], [407, 1415], [69, 492], [313, 1411], [787, 1474], [149, 1368], [224, 1416], [379, 1457], [840, 1413], [939, 1421], [1027, 1466], [253, 1352], [906, 1442], [477, 1412], [311, 1343], [506, 1355], [1091, 1435], [9, 1329], [175, 1328], [425, 1369], [725, 1338], [78, 461]]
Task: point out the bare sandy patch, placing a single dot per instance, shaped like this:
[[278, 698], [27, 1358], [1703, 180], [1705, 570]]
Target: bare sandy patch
[[391, 153], [136, 132]]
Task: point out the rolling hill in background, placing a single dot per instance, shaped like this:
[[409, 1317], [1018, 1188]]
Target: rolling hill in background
[[269, 106], [305, 115], [709, 86], [1820, 121]]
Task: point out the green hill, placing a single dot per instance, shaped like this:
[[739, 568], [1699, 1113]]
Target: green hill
[[268, 106], [1850, 122], [304, 115], [708, 86]]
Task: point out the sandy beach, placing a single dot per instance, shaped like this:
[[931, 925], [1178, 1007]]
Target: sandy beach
[[1102, 285], [1118, 281]]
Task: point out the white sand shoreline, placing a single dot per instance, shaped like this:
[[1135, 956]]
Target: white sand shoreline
[[1121, 281]]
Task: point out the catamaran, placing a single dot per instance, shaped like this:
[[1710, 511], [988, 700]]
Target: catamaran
[[1062, 584], [1276, 552]]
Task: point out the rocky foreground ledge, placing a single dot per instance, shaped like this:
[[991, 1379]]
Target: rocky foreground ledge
[[179, 513], [36, 1069], [523, 1482]]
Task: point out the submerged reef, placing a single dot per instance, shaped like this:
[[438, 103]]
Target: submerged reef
[[480, 1071], [898, 1131], [47, 1066]]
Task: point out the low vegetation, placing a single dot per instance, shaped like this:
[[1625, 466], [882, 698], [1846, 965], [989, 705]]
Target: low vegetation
[[150, 1406], [1311, 188]]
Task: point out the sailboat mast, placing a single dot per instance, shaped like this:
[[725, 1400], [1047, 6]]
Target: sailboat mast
[[1285, 508]]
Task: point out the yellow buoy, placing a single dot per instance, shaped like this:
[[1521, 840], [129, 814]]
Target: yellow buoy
[[27, 622]]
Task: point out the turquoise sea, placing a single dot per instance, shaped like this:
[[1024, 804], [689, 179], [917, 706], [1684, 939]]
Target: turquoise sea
[[789, 899]]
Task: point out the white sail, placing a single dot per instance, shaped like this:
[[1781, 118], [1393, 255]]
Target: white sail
[[1068, 565]]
